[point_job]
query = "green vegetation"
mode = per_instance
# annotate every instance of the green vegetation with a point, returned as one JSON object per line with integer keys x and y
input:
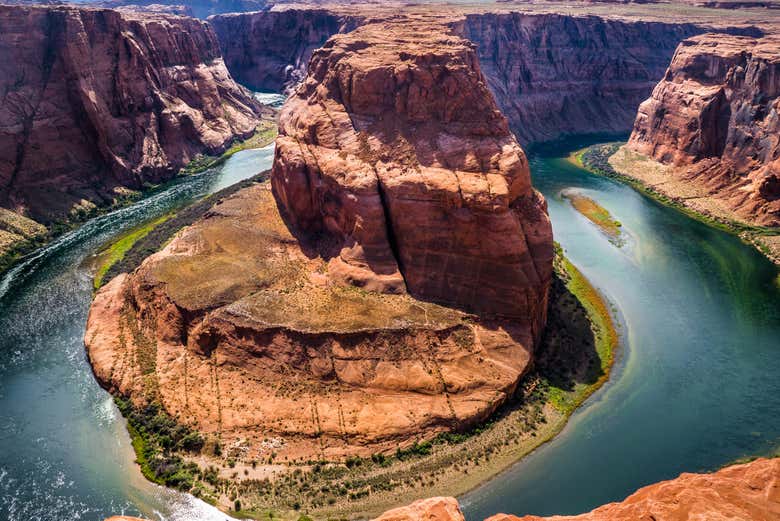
{"x": 158, "y": 439}
{"x": 596, "y": 214}
{"x": 117, "y": 250}
{"x": 595, "y": 159}
{"x": 264, "y": 135}
{"x": 570, "y": 381}
{"x": 14, "y": 251}
{"x": 151, "y": 237}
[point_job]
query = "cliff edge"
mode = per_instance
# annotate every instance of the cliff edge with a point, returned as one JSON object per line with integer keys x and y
{"x": 389, "y": 283}
{"x": 97, "y": 102}
{"x": 713, "y": 121}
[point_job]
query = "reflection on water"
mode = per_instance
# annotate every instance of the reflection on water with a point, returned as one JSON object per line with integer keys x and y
{"x": 65, "y": 452}
{"x": 697, "y": 385}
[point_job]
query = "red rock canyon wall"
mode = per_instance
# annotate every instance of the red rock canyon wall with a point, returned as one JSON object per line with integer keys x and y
{"x": 95, "y": 100}
{"x": 714, "y": 115}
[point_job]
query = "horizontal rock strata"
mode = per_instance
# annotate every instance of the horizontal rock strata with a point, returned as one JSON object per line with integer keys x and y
{"x": 97, "y": 101}
{"x": 550, "y": 74}
{"x": 715, "y": 118}
{"x": 392, "y": 286}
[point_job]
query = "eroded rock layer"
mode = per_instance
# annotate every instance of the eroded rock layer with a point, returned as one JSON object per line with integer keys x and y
{"x": 96, "y": 100}
{"x": 749, "y": 492}
{"x": 395, "y": 149}
{"x": 269, "y": 51}
{"x": 554, "y": 75}
{"x": 550, "y": 74}
{"x": 715, "y": 117}
{"x": 391, "y": 287}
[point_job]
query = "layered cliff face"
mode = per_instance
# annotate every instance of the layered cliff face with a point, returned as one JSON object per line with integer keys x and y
{"x": 270, "y": 51}
{"x": 715, "y": 118}
{"x": 551, "y": 74}
{"x": 302, "y": 322}
{"x": 403, "y": 159}
{"x": 749, "y": 492}
{"x": 97, "y": 101}
{"x": 555, "y": 74}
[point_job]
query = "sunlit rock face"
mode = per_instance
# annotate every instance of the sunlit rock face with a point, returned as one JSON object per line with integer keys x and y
{"x": 749, "y": 492}
{"x": 96, "y": 100}
{"x": 715, "y": 116}
{"x": 387, "y": 284}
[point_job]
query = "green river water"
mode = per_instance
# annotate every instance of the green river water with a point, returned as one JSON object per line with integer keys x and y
{"x": 696, "y": 384}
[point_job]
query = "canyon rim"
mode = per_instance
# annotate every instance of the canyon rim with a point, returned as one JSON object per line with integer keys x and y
{"x": 380, "y": 314}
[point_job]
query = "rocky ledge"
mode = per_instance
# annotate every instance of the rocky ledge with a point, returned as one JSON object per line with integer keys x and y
{"x": 714, "y": 121}
{"x": 97, "y": 102}
{"x": 392, "y": 284}
{"x": 749, "y": 492}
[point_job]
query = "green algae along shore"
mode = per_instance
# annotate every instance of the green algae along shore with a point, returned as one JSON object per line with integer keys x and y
{"x": 573, "y": 361}
{"x": 600, "y": 159}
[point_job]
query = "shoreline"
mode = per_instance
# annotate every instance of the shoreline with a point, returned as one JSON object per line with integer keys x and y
{"x": 600, "y": 166}
{"x": 451, "y": 463}
{"x": 21, "y": 250}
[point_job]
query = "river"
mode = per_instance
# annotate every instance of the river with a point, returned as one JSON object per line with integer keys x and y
{"x": 65, "y": 452}
{"x": 695, "y": 387}
{"x": 698, "y": 381}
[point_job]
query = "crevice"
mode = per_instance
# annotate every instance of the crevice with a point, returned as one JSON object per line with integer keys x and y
{"x": 392, "y": 240}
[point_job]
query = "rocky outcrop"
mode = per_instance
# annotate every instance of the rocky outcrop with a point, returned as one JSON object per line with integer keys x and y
{"x": 554, "y": 74}
{"x": 551, "y": 74}
{"x": 431, "y": 509}
{"x": 269, "y": 51}
{"x": 715, "y": 118}
{"x": 392, "y": 286}
{"x": 96, "y": 101}
{"x": 749, "y": 492}
{"x": 401, "y": 157}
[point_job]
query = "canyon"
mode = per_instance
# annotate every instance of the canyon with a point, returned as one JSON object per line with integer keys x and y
{"x": 745, "y": 492}
{"x": 390, "y": 282}
{"x": 99, "y": 104}
{"x": 387, "y": 282}
{"x": 551, "y": 75}
{"x": 714, "y": 121}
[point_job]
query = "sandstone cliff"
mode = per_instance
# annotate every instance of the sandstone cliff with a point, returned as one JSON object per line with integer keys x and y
{"x": 715, "y": 119}
{"x": 749, "y": 492}
{"x": 269, "y": 51}
{"x": 96, "y": 101}
{"x": 551, "y": 74}
{"x": 392, "y": 287}
{"x": 402, "y": 158}
{"x": 555, "y": 74}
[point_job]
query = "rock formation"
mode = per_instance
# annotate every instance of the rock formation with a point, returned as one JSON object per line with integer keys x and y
{"x": 555, "y": 74}
{"x": 392, "y": 287}
{"x": 715, "y": 118}
{"x": 748, "y": 492}
{"x": 402, "y": 157}
{"x": 551, "y": 74}
{"x": 96, "y": 101}
{"x": 269, "y": 51}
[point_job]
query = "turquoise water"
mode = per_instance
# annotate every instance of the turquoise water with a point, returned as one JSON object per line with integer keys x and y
{"x": 65, "y": 452}
{"x": 698, "y": 381}
{"x": 696, "y": 386}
